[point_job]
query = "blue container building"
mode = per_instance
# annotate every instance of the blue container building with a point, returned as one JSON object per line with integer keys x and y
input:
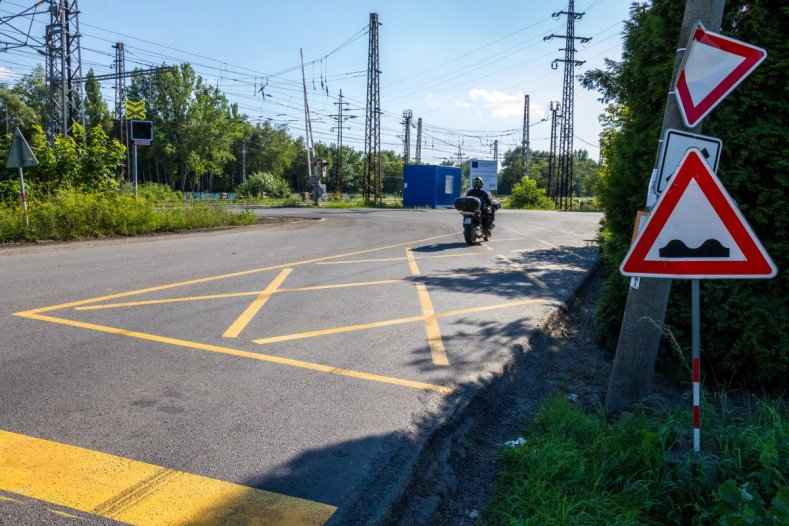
{"x": 429, "y": 185}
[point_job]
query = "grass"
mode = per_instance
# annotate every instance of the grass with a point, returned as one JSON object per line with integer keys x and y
{"x": 73, "y": 214}
{"x": 577, "y": 468}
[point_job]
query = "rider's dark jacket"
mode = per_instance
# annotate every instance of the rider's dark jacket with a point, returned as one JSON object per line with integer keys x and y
{"x": 483, "y": 195}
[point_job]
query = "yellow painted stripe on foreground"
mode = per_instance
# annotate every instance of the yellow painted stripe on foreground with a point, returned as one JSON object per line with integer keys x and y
{"x": 437, "y": 350}
{"x": 139, "y": 493}
{"x": 243, "y": 320}
{"x": 242, "y": 354}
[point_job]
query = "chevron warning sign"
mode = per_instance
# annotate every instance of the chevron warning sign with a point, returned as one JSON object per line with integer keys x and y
{"x": 135, "y": 109}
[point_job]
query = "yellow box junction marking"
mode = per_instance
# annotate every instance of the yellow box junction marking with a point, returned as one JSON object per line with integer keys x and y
{"x": 249, "y": 313}
{"x": 135, "y": 492}
{"x": 86, "y": 304}
{"x": 437, "y": 350}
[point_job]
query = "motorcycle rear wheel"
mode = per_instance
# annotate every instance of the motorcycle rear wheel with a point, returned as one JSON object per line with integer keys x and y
{"x": 469, "y": 235}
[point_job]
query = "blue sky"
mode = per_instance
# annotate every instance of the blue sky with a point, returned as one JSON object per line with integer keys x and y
{"x": 463, "y": 66}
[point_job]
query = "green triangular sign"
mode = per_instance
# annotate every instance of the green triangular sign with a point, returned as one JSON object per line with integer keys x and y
{"x": 20, "y": 154}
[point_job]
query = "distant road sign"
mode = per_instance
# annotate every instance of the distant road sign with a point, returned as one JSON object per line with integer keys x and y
{"x": 135, "y": 109}
{"x": 141, "y": 131}
{"x": 20, "y": 155}
{"x": 712, "y": 67}
{"x": 696, "y": 231}
{"x": 675, "y": 144}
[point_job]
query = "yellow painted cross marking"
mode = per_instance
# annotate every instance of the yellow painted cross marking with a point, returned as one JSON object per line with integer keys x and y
{"x": 433, "y": 333}
{"x": 135, "y": 492}
{"x": 523, "y": 271}
{"x": 412, "y": 262}
{"x": 246, "y": 316}
{"x": 242, "y": 354}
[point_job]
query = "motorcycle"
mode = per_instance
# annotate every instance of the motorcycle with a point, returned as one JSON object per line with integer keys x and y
{"x": 476, "y": 220}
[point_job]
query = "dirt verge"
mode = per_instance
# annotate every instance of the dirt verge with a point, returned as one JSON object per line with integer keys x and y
{"x": 456, "y": 474}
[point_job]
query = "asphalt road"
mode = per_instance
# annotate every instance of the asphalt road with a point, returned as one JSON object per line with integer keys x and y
{"x": 278, "y": 374}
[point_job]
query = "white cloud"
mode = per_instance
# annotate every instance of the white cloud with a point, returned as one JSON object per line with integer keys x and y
{"x": 5, "y": 74}
{"x": 497, "y": 104}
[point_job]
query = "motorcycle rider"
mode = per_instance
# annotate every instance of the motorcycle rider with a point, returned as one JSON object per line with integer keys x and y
{"x": 488, "y": 204}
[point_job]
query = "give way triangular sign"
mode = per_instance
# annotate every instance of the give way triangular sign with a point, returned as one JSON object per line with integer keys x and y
{"x": 712, "y": 67}
{"x": 696, "y": 231}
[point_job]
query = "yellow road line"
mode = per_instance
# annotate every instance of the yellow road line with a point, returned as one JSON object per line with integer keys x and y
{"x": 488, "y": 247}
{"x": 168, "y": 300}
{"x": 222, "y": 276}
{"x": 64, "y": 514}
{"x": 412, "y": 262}
{"x": 337, "y": 330}
{"x": 3, "y": 497}
{"x": 243, "y": 320}
{"x": 242, "y": 354}
{"x": 563, "y": 249}
{"x": 136, "y": 492}
{"x": 472, "y": 310}
{"x": 523, "y": 271}
{"x": 234, "y": 295}
{"x": 377, "y": 260}
{"x": 437, "y": 350}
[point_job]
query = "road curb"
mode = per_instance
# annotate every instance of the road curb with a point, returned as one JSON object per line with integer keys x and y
{"x": 384, "y": 502}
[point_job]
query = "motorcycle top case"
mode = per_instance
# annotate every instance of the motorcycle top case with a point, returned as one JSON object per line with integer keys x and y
{"x": 468, "y": 204}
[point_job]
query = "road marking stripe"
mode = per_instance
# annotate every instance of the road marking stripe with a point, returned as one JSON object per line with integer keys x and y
{"x": 234, "y": 295}
{"x": 437, "y": 350}
{"x": 523, "y": 271}
{"x": 242, "y": 354}
{"x": 376, "y": 260}
{"x": 472, "y": 310}
{"x": 10, "y": 499}
{"x": 412, "y": 262}
{"x": 337, "y": 330}
{"x": 136, "y": 492}
{"x": 243, "y": 320}
{"x": 222, "y": 276}
{"x": 64, "y": 514}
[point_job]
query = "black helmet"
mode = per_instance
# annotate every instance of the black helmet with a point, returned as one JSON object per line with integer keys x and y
{"x": 477, "y": 182}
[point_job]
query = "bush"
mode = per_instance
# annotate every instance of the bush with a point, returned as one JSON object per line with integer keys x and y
{"x": 263, "y": 184}
{"x": 74, "y": 214}
{"x": 526, "y": 194}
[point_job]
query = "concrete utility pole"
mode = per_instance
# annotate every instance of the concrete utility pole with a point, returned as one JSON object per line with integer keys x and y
{"x": 553, "y": 180}
{"x": 407, "y": 116}
{"x": 496, "y": 150}
{"x": 525, "y": 141}
{"x": 639, "y": 337}
{"x": 418, "y": 155}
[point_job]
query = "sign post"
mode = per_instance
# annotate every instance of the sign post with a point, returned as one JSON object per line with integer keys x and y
{"x": 142, "y": 135}
{"x": 696, "y": 231}
{"x": 20, "y": 155}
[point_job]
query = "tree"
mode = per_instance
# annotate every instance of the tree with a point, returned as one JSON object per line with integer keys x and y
{"x": 96, "y": 111}
{"x": 745, "y": 335}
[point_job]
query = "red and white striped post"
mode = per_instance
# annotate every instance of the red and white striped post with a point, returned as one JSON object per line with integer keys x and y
{"x": 696, "y": 359}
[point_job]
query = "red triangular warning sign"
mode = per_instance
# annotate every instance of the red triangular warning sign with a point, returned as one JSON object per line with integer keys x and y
{"x": 696, "y": 231}
{"x": 712, "y": 67}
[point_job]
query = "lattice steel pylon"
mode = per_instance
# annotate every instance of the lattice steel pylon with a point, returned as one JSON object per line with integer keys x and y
{"x": 418, "y": 154}
{"x": 372, "y": 131}
{"x": 407, "y": 116}
{"x": 565, "y": 176}
{"x": 64, "y": 68}
{"x": 120, "y": 101}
